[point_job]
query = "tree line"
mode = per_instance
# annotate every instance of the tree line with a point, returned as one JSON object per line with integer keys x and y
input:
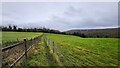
{"x": 93, "y": 34}
{"x": 45, "y": 30}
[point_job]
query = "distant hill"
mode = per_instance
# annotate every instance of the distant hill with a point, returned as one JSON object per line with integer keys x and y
{"x": 108, "y": 32}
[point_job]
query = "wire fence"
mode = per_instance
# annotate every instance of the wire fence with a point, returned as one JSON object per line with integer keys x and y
{"x": 54, "y": 50}
{"x": 16, "y": 55}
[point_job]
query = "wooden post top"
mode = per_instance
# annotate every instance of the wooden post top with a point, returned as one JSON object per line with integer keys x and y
{"x": 25, "y": 39}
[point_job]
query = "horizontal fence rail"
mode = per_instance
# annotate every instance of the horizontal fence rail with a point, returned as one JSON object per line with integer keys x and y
{"x": 11, "y": 55}
{"x": 11, "y": 46}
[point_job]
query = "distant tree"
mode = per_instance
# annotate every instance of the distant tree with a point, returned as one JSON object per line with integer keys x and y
{"x": 106, "y": 36}
{"x": 98, "y": 36}
{"x": 14, "y": 27}
{"x": 83, "y": 35}
{"x": 20, "y": 29}
{"x": 10, "y": 27}
{"x": 76, "y": 34}
{"x": 5, "y": 28}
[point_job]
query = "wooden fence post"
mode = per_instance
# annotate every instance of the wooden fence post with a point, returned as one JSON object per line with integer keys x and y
{"x": 25, "y": 49}
{"x": 53, "y": 48}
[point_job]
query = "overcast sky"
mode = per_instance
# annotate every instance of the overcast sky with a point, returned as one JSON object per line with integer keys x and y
{"x": 62, "y": 16}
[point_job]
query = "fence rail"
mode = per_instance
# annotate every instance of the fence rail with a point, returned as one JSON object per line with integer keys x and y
{"x": 14, "y": 53}
{"x": 11, "y": 46}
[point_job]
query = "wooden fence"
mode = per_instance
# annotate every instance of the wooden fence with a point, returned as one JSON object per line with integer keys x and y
{"x": 15, "y": 55}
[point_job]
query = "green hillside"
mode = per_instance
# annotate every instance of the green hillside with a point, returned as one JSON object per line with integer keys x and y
{"x": 76, "y": 51}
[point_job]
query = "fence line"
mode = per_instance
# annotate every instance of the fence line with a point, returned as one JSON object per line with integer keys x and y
{"x": 11, "y": 46}
{"x": 51, "y": 45}
{"x": 14, "y": 53}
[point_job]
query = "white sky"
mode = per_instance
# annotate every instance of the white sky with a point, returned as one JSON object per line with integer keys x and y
{"x": 62, "y": 16}
{"x": 59, "y": 0}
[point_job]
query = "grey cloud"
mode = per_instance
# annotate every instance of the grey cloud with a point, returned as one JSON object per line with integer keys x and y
{"x": 72, "y": 11}
{"x": 62, "y": 16}
{"x": 87, "y": 18}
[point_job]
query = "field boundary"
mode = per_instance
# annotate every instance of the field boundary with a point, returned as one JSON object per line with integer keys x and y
{"x": 52, "y": 50}
{"x": 11, "y": 46}
{"x": 19, "y": 50}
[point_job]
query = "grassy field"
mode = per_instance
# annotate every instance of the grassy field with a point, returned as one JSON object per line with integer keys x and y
{"x": 71, "y": 50}
{"x": 12, "y": 37}
{"x": 76, "y": 51}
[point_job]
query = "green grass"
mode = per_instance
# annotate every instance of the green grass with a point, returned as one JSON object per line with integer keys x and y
{"x": 72, "y": 50}
{"x": 78, "y": 51}
{"x": 38, "y": 56}
{"x": 8, "y": 37}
